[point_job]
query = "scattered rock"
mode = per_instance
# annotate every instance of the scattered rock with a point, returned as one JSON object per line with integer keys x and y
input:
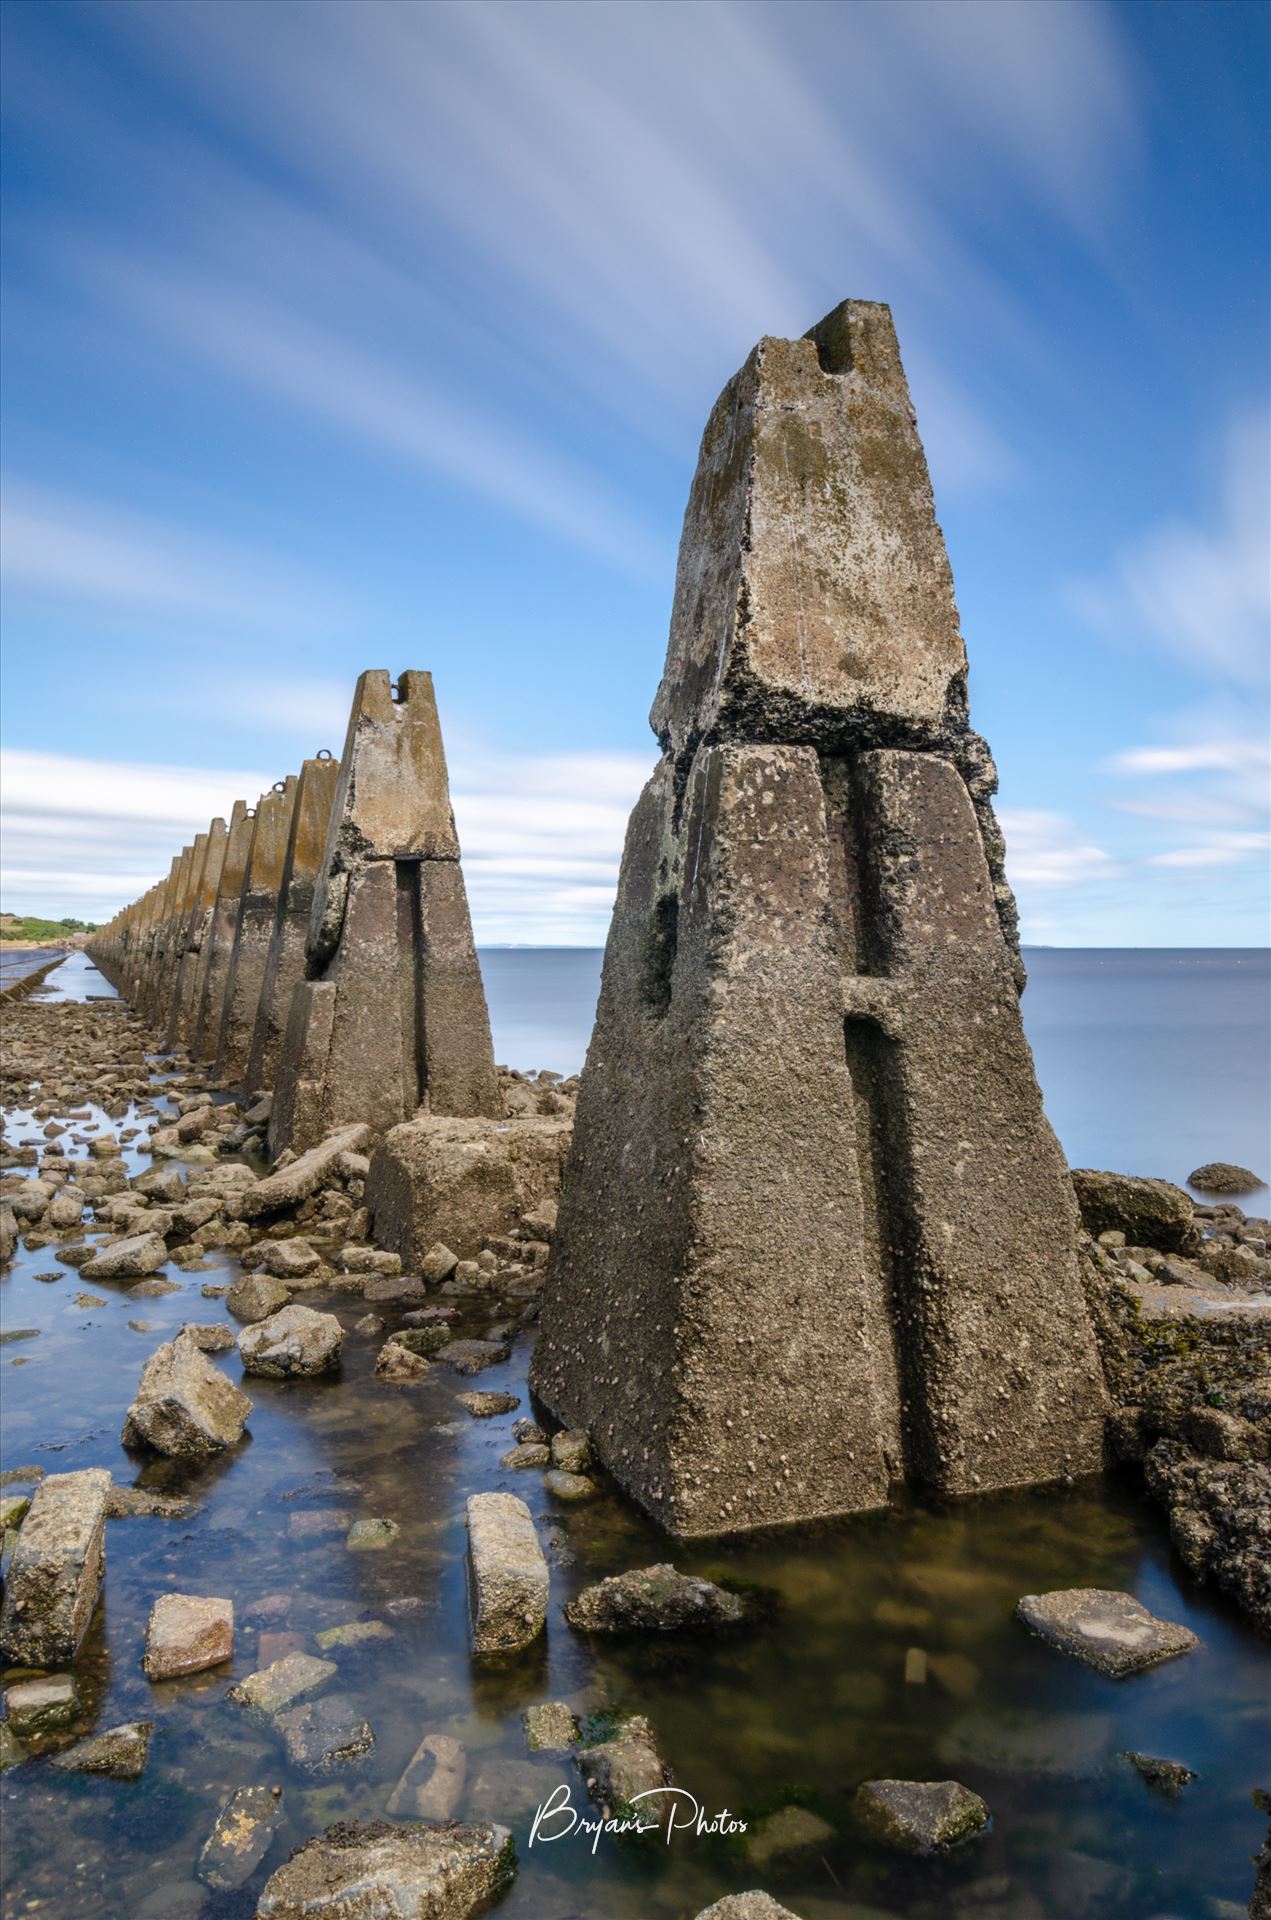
{"x": 438, "y": 1264}
{"x": 1220, "y": 1176}
{"x": 570, "y": 1486}
{"x": 352, "y": 1633}
{"x": 1151, "y": 1213}
{"x": 1166, "y": 1776}
{"x": 291, "y": 1259}
{"x": 325, "y": 1734}
{"x": 526, "y": 1456}
{"x": 370, "y": 1260}
{"x": 655, "y": 1600}
{"x": 12, "y": 1751}
{"x": 187, "y": 1634}
{"x": 153, "y": 1289}
{"x": 787, "y": 1834}
{"x": 269, "y": 1690}
{"x": 550, "y": 1728}
{"x": 185, "y": 1407}
{"x": 748, "y": 1906}
{"x": 370, "y": 1536}
{"x": 212, "y": 1337}
{"x": 256, "y": 1296}
{"x": 1220, "y": 1522}
{"x": 624, "y": 1773}
{"x": 304, "y": 1175}
{"x": 242, "y": 1836}
{"x": 128, "y": 1503}
{"x": 41, "y": 1704}
{"x": 473, "y": 1356}
{"x": 571, "y": 1450}
{"x": 484, "y": 1406}
{"x": 56, "y": 1569}
{"x": 294, "y": 1343}
{"x": 432, "y": 1785}
{"x": 373, "y": 1869}
{"x": 1107, "y": 1630}
{"x": 509, "y": 1574}
{"x": 119, "y": 1753}
{"x": 396, "y": 1362}
{"x": 918, "y": 1816}
{"x": 131, "y": 1259}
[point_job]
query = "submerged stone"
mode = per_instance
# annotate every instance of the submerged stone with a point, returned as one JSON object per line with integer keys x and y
{"x": 371, "y": 1536}
{"x": 550, "y": 1728}
{"x": 655, "y": 1600}
{"x": 55, "y": 1572}
{"x": 325, "y": 1734}
{"x": 41, "y": 1704}
{"x": 918, "y": 1816}
{"x": 1112, "y": 1632}
{"x": 624, "y": 1773}
{"x": 120, "y": 1753}
{"x": 1165, "y": 1776}
{"x": 788, "y": 1834}
{"x": 384, "y": 1872}
{"x": 242, "y": 1836}
{"x": 432, "y": 1785}
{"x": 280, "y": 1685}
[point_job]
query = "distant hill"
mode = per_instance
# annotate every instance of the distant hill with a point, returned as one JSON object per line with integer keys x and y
{"x": 25, "y": 928}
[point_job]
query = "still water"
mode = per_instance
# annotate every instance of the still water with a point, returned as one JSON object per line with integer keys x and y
{"x": 796, "y": 1711}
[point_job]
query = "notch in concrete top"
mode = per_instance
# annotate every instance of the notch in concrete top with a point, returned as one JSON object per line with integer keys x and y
{"x": 814, "y": 599}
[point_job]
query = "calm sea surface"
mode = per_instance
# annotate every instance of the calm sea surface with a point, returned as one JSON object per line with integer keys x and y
{"x": 1150, "y": 1061}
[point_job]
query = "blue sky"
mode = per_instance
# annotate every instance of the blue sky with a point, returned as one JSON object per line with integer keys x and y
{"x": 383, "y": 335}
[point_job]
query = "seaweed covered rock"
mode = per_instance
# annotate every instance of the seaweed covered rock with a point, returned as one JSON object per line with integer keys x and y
{"x": 655, "y": 1600}
{"x": 415, "y": 1871}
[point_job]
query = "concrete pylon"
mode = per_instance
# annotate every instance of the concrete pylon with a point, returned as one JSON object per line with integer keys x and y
{"x": 285, "y": 963}
{"x": 158, "y": 974}
{"x": 187, "y": 894}
{"x": 203, "y": 899}
{"x": 816, "y": 1237}
{"x": 392, "y": 1014}
{"x": 218, "y": 946}
{"x": 257, "y": 907}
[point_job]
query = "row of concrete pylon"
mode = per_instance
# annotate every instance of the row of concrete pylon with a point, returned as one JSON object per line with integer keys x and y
{"x": 287, "y": 949}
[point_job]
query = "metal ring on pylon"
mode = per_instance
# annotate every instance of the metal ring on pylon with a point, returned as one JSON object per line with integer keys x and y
{"x": 395, "y": 688}
{"x": 249, "y": 813}
{"x": 325, "y": 753}
{"x": 280, "y": 786}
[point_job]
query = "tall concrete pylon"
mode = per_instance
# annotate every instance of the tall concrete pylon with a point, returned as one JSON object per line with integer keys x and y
{"x": 154, "y": 986}
{"x": 816, "y": 1237}
{"x": 218, "y": 947}
{"x": 257, "y": 908}
{"x": 203, "y": 899}
{"x": 285, "y": 963}
{"x": 391, "y": 1016}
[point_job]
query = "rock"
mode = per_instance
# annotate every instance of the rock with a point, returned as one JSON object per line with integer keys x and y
{"x": 187, "y": 1634}
{"x": 484, "y": 1406}
{"x": 509, "y": 1577}
{"x": 474, "y": 1356}
{"x": 526, "y": 1456}
{"x": 325, "y": 1734}
{"x": 458, "y": 1181}
{"x": 370, "y": 1260}
{"x": 294, "y": 1343}
{"x": 55, "y": 1572}
{"x": 270, "y": 1689}
{"x": 369, "y": 1325}
{"x": 913, "y": 1816}
{"x": 749, "y": 1906}
{"x": 352, "y": 1633}
{"x": 291, "y": 1259}
{"x": 41, "y": 1704}
{"x": 193, "y": 1214}
{"x": 1106, "y": 1630}
{"x": 12, "y": 1751}
{"x": 427, "y": 1339}
{"x": 432, "y": 1785}
{"x": 1151, "y": 1213}
{"x": 212, "y": 1337}
{"x": 571, "y": 1450}
{"x": 787, "y": 1834}
{"x": 397, "y": 1363}
{"x": 1220, "y": 1522}
{"x": 120, "y": 1753}
{"x": 550, "y": 1728}
{"x": 384, "y": 1872}
{"x": 127, "y": 1503}
{"x": 1166, "y": 1776}
{"x": 371, "y": 1536}
{"x": 65, "y": 1209}
{"x": 89, "y": 1300}
{"x": 153, "y": 1289}
{"x": 256, "y": 1296}
{"x": 309, "y": 1171}
{"x": 570, "y": 1486}
{"x": 242, "y": 1836}
{"x": 1219, "y": 1176}
{"x": 655, "y": 1600}
{"x": 29, "y": 1202}
{"x": 622, "y": 1771}
{"x": 438, "y": 1263}
{"x": 185, "y": 1407}
{"x": 131, "y": 1259}
{"x": 528, "y": 1433}
{"x": 13, "y": 1507}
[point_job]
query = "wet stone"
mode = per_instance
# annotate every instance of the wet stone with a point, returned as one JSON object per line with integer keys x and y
{"x": 156, "y": 1288}
{"x": 432, "y": 1784}
{"x": 918, "y": 1816}
{"x": 748, "y": 1906}
{"x": 474, "y": 1356}
{"x": 128, "y": 1503}
{"x": 485, "y": 1406}
{"x": 256, "y": 1296}
{"x": 571, "y": 1450}
{"x": 40, "y": 1704}
{"x": 120, "y": 1753}
{"x": 187, "y": 1634}
{"x": 655, "y": 1600}
{"x": 550, "y": 1728}
{"x": 55, "y": 1572}
{"x": 353, "y": 1633}
{"x": 12, "y": 1751}
{"x": 185, "y": 1407}
{"x": 241, "y": 1837}
{"x": 788, "y": 1834}
{"x": 1109, "y": 1631}
{"x": 325, "y": 1734}
{"x": 130, "y": 1259}
{"x": 371, "y": 1536}
{"x": 282, "y": 1684}
{"x": 400, "y": 1364}
{"x": 295, "y": 1343}
{"x": 1164, "y": 1776}
{"x": 570, "y": 1486}
{"x": 619, "y": 1771}
{"x": 214, "y": 1337}
{"x": 526, "y": 1456}
{"x": 418, "y": 1872}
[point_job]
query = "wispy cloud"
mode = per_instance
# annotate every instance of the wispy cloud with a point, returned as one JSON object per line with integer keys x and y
{"x": 1047, "y": 850}
{"x": 65, "y": 549}
{"x": 1201, "y": 591}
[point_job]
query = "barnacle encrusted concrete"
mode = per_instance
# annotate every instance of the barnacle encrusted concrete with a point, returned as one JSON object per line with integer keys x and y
{"x": 816, "y": 1237}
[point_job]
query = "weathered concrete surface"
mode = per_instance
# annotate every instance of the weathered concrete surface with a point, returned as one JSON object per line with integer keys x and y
{"x": 461, "y": 1181}
{"x": 303, "y": 1176}
{"x": 508, "y": 1574}
{"x": 1112, "y": 1632}
{"x": 392, "y": 1014}
{"x": 257, "y": 911}
{"x": 373, "y": 1870}
{"x": 285, "y": 962}
{"x": 184, "y": 1406}
{"x": 816, "y": 1236}
{"x": 185, "y": 991}
{"x": 218, "y": 945}
{"x": 150, "y": 997}
{"x": 56, "y": 1570}
{"x": 187, "y": 1633}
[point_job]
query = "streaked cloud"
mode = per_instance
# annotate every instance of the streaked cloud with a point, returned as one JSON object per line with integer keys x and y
{"x": 1047, "y": 850}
